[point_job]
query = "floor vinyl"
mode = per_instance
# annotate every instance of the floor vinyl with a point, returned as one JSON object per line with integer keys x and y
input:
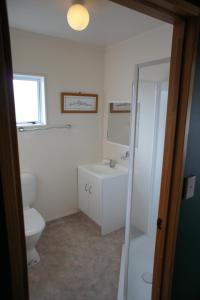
{"x": 76, "y": 262}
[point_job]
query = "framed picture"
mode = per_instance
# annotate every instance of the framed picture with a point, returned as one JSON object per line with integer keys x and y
{"x": 121, "y": 107}
{"x": 79, "y": 103}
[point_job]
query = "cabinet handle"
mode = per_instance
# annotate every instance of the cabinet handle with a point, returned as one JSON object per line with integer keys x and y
{"x": 86, "y": 187}
{"x": 90, "y": 189}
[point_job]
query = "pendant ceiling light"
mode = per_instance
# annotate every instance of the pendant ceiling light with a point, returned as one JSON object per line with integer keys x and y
{"x": 78, "y": 17}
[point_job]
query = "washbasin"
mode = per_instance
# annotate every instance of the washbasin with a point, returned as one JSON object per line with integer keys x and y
{"x": 102, "y": 170}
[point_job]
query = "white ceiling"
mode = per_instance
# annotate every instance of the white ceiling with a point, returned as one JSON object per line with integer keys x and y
{"x": 110, "y": 23}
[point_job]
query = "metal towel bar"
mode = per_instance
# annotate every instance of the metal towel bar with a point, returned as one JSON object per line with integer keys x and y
{"x": 22, "y": 129}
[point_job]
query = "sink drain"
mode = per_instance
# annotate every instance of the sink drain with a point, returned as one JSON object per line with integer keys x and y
{"x": 147, "y": 277}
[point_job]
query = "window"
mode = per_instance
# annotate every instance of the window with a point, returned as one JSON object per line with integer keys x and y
{"x": 29, "y": 97}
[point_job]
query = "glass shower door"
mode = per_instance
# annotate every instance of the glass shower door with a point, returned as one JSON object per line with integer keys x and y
{"x": 148, "y": 144}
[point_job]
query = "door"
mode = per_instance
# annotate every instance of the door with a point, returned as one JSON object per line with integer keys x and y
{"x": 89, "y": 195}
{"x": 83, "y": 188}
{"x": 147, "y": 161}
{"x": 94, "y": 199}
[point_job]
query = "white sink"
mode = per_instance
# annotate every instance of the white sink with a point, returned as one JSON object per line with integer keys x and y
{"x": 102, "y": 170}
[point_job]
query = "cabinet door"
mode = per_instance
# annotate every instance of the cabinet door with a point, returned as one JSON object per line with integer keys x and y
{"x": 83, "y": 188}
{"x": 94, "y": 200}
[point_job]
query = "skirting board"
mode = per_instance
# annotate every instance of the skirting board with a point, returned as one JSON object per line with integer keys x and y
{"x": 68, "y": 213}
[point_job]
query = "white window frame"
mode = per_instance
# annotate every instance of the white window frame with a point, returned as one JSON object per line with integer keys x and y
{"x": 42, "y": 119}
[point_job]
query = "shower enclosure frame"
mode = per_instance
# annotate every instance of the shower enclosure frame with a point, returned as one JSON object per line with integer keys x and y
{"x": 133, "y": 142}
{"x": 185, "y": 18}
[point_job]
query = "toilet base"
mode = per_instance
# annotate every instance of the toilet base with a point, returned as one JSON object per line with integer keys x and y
{"x": 32, "y": 257}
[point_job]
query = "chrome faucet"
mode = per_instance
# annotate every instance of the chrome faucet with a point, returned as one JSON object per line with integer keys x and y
{"x": 112, "y": 163}
{"x": 125, "y": 156}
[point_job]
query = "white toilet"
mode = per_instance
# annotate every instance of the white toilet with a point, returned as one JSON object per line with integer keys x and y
{"x": 33, "y": 221}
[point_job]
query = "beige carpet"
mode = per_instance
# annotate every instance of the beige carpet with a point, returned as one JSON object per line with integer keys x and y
{"x": 77, "y": 263}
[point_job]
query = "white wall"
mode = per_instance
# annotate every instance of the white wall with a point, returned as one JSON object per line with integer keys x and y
{"x": 120, "y": 60}
{"x": 55, "y": 154}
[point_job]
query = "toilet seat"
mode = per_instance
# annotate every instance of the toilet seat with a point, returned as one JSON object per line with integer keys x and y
{"x": 33, "y": 221}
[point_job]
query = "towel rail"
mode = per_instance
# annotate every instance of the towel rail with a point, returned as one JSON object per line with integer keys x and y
{"x": 22, "y": 129}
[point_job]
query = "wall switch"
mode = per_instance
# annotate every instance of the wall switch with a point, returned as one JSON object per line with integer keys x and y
{"x": 189, "y": 187}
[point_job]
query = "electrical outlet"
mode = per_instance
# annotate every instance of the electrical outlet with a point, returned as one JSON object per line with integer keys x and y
{"x": 189, "y": 187}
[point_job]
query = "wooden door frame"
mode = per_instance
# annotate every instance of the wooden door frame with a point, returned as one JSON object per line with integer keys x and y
{"x": 184, "y": 17}
{"x": 179, "y": 155}
{"x": 10, "y": 187}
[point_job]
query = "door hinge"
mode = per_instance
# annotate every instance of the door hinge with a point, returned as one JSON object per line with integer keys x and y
{"x": 159, "y": 223}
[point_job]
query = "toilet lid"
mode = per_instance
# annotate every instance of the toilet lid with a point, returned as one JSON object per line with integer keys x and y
{"x": 33, "y": 221}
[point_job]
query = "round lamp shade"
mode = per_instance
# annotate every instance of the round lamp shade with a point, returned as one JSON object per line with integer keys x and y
{"x": 78, "y": 17}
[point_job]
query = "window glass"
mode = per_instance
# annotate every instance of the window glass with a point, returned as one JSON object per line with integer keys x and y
{"x": 29, "y": 99}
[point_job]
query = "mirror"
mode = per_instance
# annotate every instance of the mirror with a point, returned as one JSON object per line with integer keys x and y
{"x": 119, "y": 122}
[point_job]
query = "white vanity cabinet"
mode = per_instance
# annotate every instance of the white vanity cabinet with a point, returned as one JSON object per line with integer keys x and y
{"x": 102, "y": 195}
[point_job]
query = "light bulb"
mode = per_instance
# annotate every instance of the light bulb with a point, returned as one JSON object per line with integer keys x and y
{"x": 78, "y": 17}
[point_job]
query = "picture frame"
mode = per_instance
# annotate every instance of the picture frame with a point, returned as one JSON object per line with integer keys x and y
{"x": 120, "y": 107}
{"x": 79, "y": 103}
